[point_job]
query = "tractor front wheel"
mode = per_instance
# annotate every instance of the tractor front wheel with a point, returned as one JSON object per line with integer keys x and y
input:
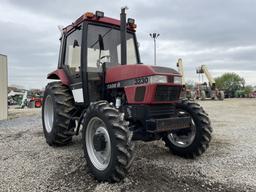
{"x": 107, "y": 142}
{"x": 193, "y": 141}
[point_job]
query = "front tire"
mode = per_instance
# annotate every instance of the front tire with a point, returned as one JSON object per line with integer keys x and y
{"x": 58, "y": 107}
{"x": 107, "y": 142}
{"x": 192, "y": 142}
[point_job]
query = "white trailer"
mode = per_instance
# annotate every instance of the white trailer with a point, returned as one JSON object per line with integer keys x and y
{"x": 3, "y": 87}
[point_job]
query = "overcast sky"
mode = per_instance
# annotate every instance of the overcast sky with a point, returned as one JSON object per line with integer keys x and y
{"x": 218, "y": 33}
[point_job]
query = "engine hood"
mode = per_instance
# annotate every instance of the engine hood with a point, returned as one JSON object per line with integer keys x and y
{"x": 124, "y": 72}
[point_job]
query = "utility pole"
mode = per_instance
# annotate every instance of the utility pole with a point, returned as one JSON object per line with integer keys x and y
{"x": 154, "y": 36}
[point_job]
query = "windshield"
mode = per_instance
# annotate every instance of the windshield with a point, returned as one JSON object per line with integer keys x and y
{"x": 103, "y": 44}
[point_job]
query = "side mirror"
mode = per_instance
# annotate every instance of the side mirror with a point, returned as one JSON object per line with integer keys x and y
{"x": 75, "y": 44}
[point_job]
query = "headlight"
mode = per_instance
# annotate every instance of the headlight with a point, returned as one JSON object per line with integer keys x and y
{"x": 177, "y": 80}
{"x": 158, "y": 79}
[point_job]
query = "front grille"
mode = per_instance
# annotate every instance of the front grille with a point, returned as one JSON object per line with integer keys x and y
{"x": 167, "y": 93}
{"x": 145, "y": 112}
{"x": 160, "y": 110}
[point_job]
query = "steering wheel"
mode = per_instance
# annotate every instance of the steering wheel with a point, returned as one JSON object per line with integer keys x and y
{"x": 99, "y": 63}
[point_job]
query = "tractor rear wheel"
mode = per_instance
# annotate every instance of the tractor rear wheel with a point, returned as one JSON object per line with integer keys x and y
{"x": 190, "y": 142}
{"x": 58, "y": 106}
{"x": 107, "y": 142}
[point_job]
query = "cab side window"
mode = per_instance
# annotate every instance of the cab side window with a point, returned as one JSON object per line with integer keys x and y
{"x": 73, "y": 51}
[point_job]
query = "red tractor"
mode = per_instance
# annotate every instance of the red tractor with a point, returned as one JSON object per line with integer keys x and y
{"x": 103, "y": 87}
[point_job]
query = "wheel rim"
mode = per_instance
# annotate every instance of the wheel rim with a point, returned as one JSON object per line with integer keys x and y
{"x": 183, "y": 138}
{"x": 48, "y": 114}
{"x": 100, "y": 159}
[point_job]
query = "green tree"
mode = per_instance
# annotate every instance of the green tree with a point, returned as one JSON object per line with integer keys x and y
{"x": 248, "y": 90}
{"x": 230, "y": 83}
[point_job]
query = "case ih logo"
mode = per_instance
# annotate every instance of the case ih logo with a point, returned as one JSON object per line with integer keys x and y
{"x": 113, "y": 85}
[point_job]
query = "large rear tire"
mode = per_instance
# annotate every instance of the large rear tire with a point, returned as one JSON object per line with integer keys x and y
{"x": 107, "y": 142}
{"x": 58, "y": 106}
{"x": 192, "y": 142}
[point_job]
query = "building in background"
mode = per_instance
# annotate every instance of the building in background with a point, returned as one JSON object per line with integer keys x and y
{"x": 3, "y": 87}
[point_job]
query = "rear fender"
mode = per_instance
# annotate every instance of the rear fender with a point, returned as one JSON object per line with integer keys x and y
{"x": 59, "y": 74}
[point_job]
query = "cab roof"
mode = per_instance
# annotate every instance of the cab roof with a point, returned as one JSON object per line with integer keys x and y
{"x": 88, "y": 16}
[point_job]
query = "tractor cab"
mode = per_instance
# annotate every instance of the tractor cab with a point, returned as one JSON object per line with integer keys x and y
{"x": 90, "y": 46}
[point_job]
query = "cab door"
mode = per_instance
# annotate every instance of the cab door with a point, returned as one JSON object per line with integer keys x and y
{"x": 97, "y": 55}
{"x": 72, "y": 62}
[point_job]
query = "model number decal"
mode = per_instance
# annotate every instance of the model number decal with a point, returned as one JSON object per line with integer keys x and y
{"x": 141, "y": 80}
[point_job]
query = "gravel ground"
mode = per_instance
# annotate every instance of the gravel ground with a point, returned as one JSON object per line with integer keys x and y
{"x": 27, "y": 163}
{"x": 14, "y": 112}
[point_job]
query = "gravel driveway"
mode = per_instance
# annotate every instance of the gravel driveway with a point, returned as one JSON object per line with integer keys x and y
{"x": 27, "y": 163}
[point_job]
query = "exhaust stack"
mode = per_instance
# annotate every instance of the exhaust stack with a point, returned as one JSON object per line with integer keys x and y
{"x": 123, "y": 36}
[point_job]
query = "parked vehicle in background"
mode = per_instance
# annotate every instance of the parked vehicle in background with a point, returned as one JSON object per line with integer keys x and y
{"x": 25, "y": 98}
{"x": 185, "y": 92}
{"x": 35, "y": 102}
{"x": 35, "y": 98}
{"x": 204, "y": 90}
